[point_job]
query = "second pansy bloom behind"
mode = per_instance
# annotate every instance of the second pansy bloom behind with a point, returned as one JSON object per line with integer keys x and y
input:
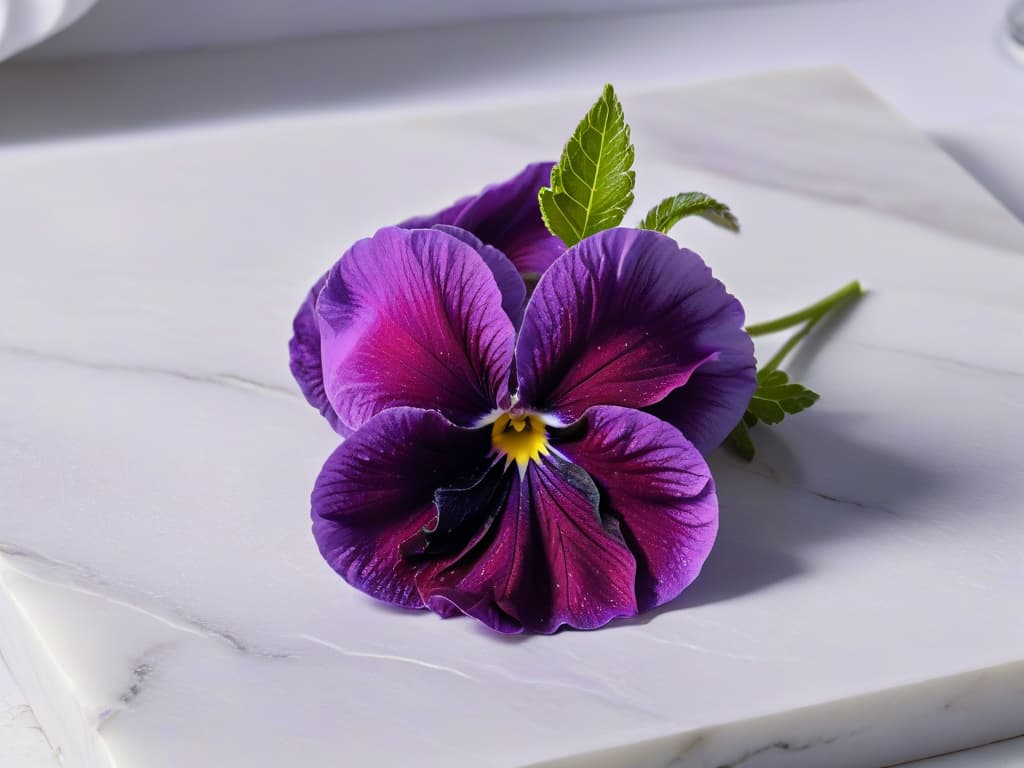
{"x": 535, "y": 467}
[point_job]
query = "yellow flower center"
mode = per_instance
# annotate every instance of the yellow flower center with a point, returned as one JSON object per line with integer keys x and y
{"x": 521, "y": 437}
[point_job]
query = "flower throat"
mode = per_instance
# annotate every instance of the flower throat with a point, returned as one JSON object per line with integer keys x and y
{"x": 521, "y": 437}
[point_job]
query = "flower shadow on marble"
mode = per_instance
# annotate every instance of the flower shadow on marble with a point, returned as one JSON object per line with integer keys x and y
{"x": 777, "y": 509}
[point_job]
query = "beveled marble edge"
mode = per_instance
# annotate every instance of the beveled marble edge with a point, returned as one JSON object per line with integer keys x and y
{"x": 978, "y": 707}
{"x": 22, "y": 740}
{"x": 46, "y": 685}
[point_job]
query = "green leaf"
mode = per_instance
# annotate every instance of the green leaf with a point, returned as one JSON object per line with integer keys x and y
{"x": 739, "y": 440}
{"x": 592, "y": 183}
{"x": 776, "y": 396}
{"x": 669, "y": 211}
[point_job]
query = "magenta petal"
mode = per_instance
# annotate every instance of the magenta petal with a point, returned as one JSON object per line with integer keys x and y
{"x": 507, "y": 216}
{"x": 548, "y": 560}
{"x": 592, "y": 570}
{"x": 376, "y": 491}
{"x": 657, "y": 484}
{"x": 413, "y": 318}
{"x": 510, "y": 283}
{"x": 626, "y": 317}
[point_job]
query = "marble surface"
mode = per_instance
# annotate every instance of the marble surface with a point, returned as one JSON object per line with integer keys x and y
{"x": 164, "y": 605}
{"x": 22, "y": 742}
{"x": 946, "y": 65}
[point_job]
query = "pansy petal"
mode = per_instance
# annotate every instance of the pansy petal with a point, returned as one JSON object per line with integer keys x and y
{"x": 657, "y": 484}
{"x": 304, "y": 350}
{"x": 548, "y": 559}
{"x": 624, "y": 318}
{"x": 462, "y": 582}
{"x": 413, "y": 318}
{"x": 711, "y": 404}
{"x": 507, "y": 216}
{"x": 593, "y": 570}
{"x": 376, "y": 491}
{"x": 510, "y": 283}
{"x": 464, "y": 514}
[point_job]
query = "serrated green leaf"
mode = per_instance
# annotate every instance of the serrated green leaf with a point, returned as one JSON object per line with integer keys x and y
{"x": 776, "y": 397}
{"x": 667, "y": 213}
{"x": 592, "y": 183}
{"x": 739, "y": 440}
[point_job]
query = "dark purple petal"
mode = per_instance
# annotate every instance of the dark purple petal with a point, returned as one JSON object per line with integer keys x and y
{"x": 624, "y": 318}
{"x": 507, "y": 216}
{"x": 463, "y": 514}
{"x": 708, "y": 407}
{"x": 510, "y": 283}
{"x": 656, "y": 483}
{"x": 548, "y": 559}
{"x": 304, "y": 349}
{"x": 413, "y": 318}
{"x": 376, "y": 491}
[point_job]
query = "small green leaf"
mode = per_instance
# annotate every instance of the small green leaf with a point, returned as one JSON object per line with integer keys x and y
{"x": 739, "y": 440}
{"x": 592, "y": 183}
{"x": 776, "y": 396}
{"x": 667, "y": 213}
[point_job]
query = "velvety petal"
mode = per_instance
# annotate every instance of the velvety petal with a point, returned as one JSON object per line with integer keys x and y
{"x": 462, "y": 581}
{"x": 624, "y": 318}
{"x": 655, "y": 482}
{"x": 376, "y": 491}
{"x": 413, "y": 318}
{"x": 304, "y": 350}
{"x": 464, "y": 513}
{"x": 510, "y": 283}
{"x": 507, "y": 216}
{"x": 548, "y": 559}
{"x": 713, "y": 401}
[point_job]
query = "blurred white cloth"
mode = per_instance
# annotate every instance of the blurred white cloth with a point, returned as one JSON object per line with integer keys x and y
{"x": 23, "y": 23}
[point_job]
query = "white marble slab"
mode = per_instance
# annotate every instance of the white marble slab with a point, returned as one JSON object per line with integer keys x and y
{"x": 164, "y": 604}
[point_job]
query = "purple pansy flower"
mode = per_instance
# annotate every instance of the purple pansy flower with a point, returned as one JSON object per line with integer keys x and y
{"x": 531, "y": 469}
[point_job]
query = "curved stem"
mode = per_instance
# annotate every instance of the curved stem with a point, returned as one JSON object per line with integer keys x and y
{"x": 791, "y": 342}
{"x": 812, "y": 313}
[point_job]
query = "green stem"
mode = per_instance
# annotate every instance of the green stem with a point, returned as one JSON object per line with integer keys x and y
{"x": 836, "y": 300}
{"x": 786, "y": 348}
{"x": 739, "y": 438}
{"x": 811, "y": 314}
